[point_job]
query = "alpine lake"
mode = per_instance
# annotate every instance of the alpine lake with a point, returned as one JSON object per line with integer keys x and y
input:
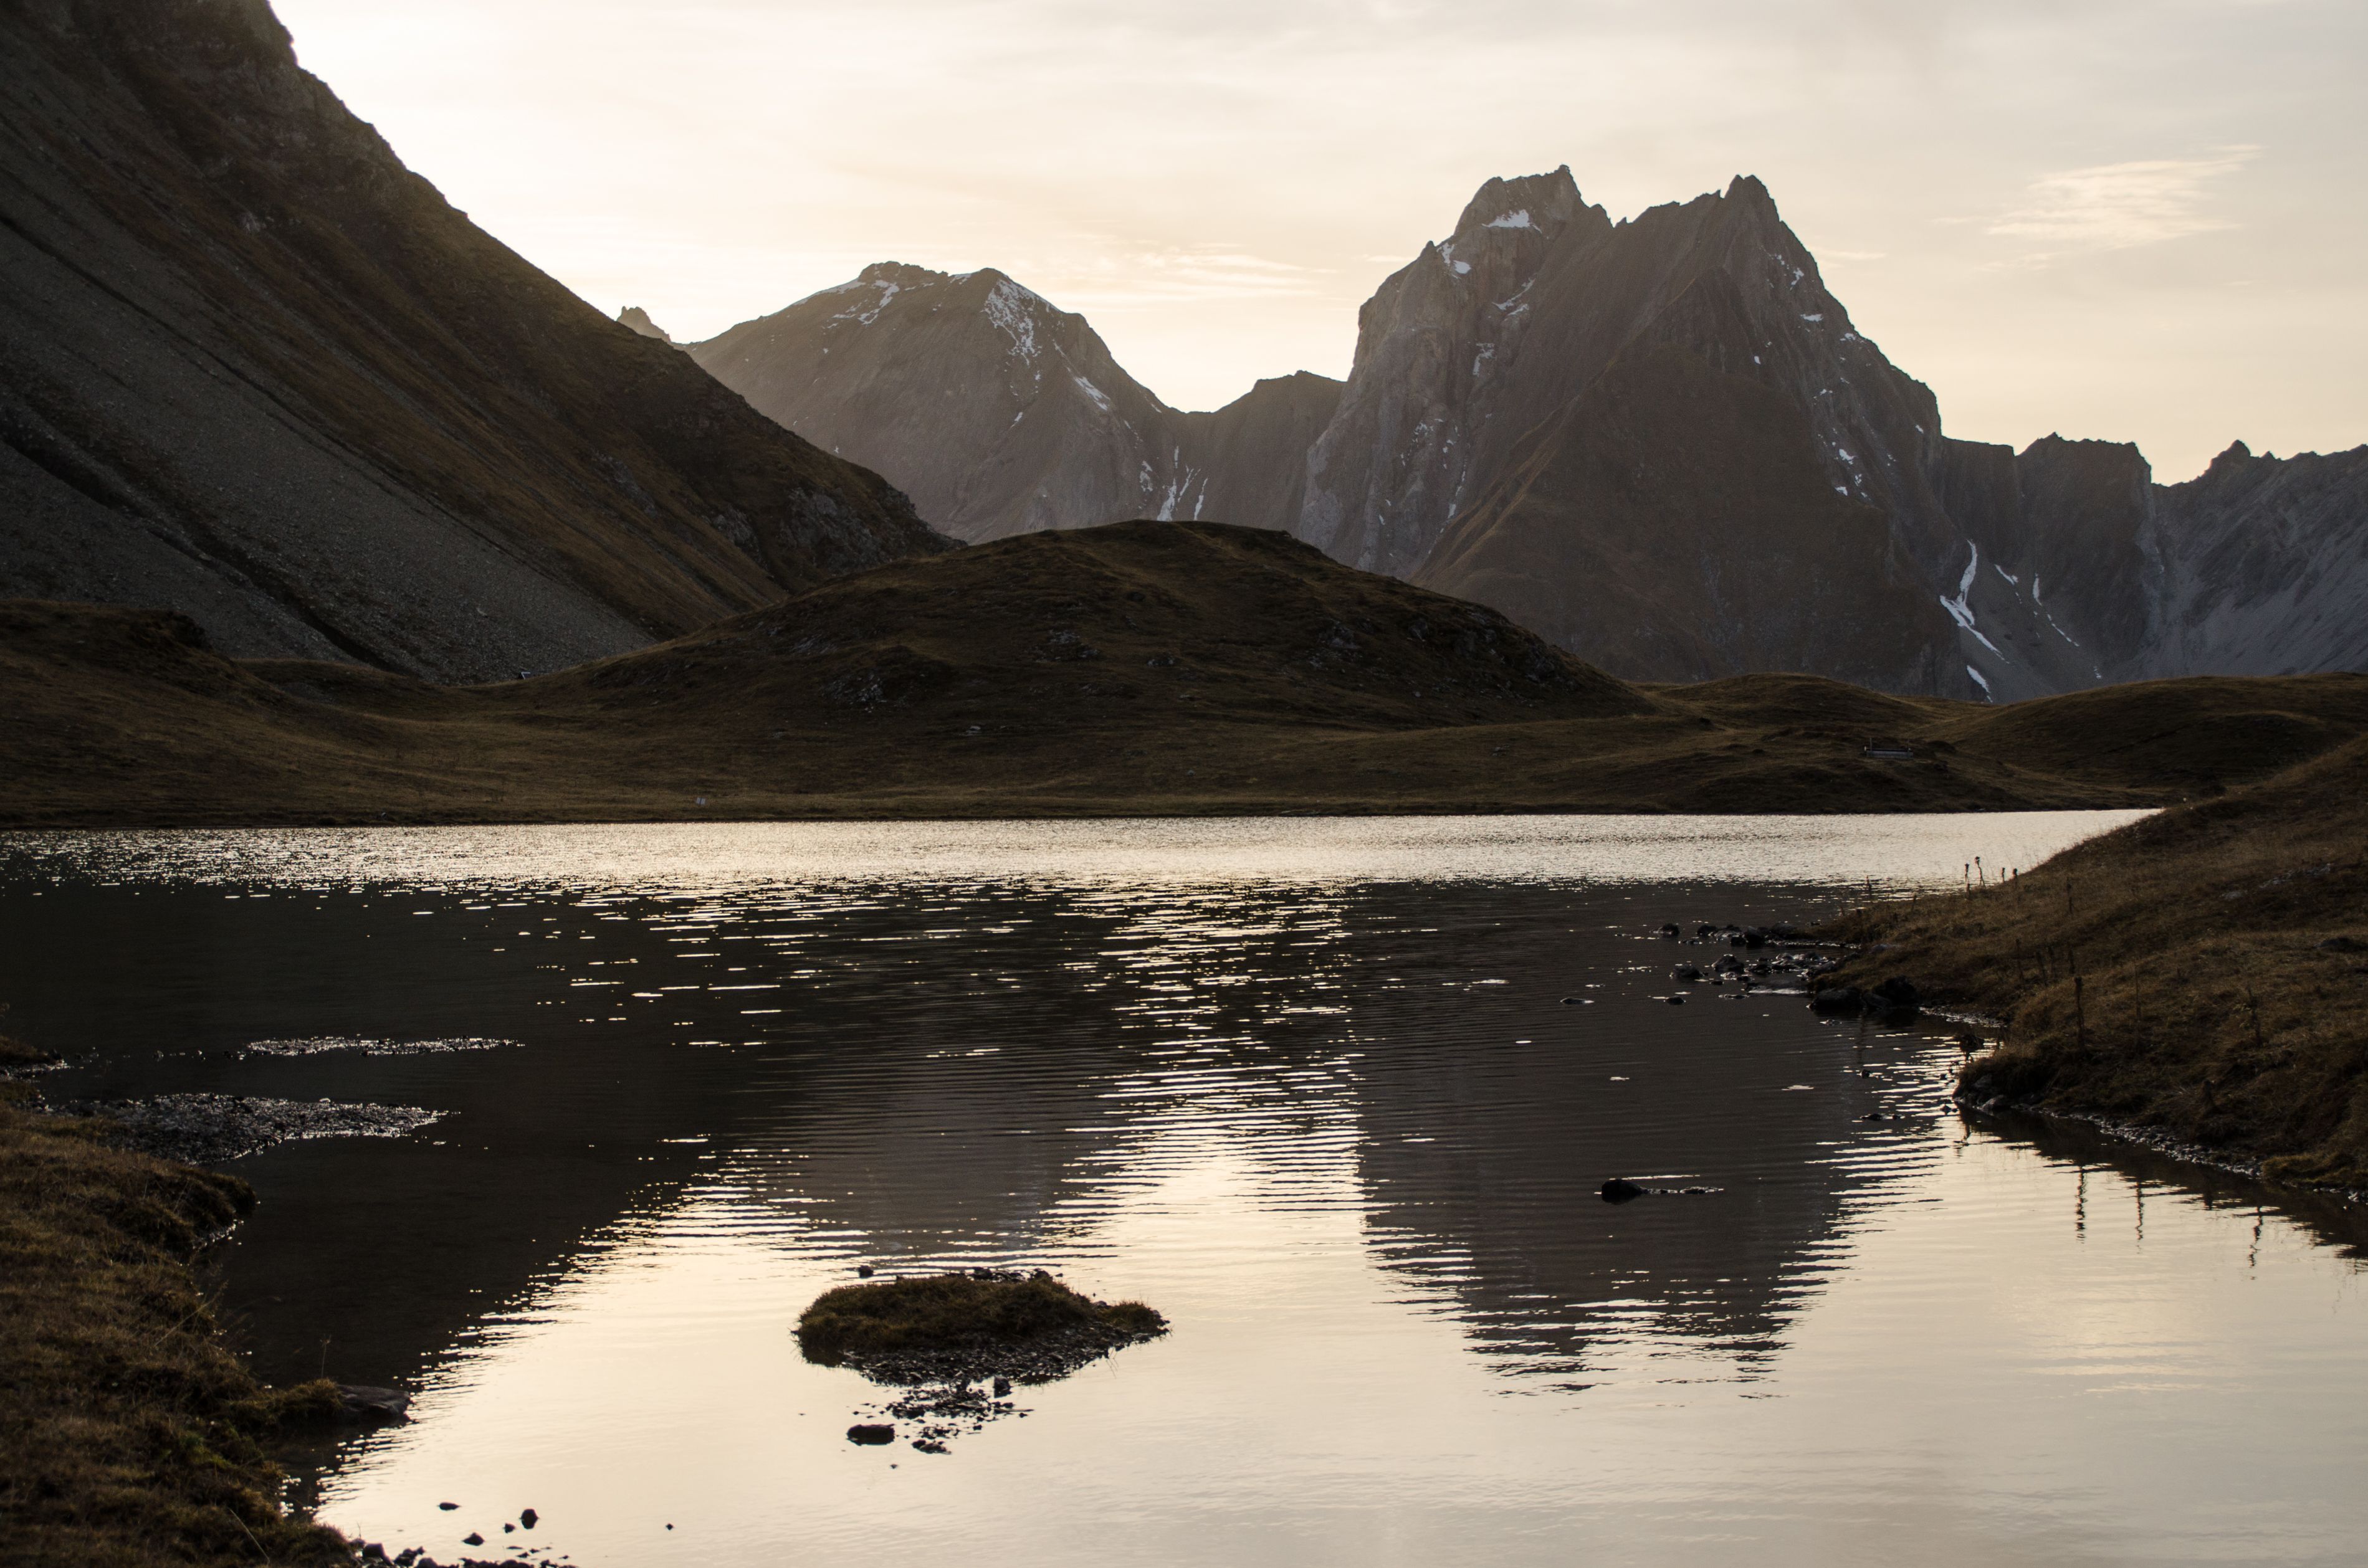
{"x": 1335, "y": 1095}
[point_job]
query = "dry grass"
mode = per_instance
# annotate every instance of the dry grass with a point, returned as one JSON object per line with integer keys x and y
{"x": 2204, "y": 972}
{"x": 127, "y": 1430}
{"x": 956, "y": 1311}
{"x": 1140, "y": 669}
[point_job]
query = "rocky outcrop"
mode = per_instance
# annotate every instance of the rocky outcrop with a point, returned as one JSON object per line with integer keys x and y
{"x": 638, "y": 319}
{"x": 254, "y": 371}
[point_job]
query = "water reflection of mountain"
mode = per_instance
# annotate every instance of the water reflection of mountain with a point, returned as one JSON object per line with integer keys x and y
{"x": 927, "y": 1073}
{"x": 1095, "y": 1052}
{"x": 1493, "y": 1119}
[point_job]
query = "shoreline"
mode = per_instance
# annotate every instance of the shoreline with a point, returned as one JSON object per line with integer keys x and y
{"x": 1021, "y": 812}
{"x": 2195, "y": 982}
{"x": 2152, "y": 1140}
{"x": 129, "y": 1431}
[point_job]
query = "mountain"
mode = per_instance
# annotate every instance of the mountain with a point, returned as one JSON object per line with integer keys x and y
{"x": 1661, "y": 443}
{"x": 1142, "y": 668}
{"x": 1001, "y": 413}
{"x": 255, "y": 371}
{"x": 1664, "y": 445}
{"x": 2263, "y": 566}
{"x": 638, "y": 319}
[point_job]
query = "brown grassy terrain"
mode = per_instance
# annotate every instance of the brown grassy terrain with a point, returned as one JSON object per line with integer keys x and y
{"x": 127, "y": 1430}
{"x": 2201, "y": 973}
{"x": 942, "y": 1312}
{"x": 1139, "y": 669}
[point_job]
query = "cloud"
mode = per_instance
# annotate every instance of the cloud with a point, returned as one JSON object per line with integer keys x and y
{"x": 2119, "y": 206}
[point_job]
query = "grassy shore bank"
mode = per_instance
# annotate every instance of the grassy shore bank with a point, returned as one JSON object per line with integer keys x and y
{"x": 1134, "y": 670}
{"x": 2201, "y": 974}
{"x": 129, "y": 1432}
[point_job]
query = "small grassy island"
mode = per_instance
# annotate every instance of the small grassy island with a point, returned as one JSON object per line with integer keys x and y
{"x": 2198, "y": 978}
{"x": 956, "y": 1327}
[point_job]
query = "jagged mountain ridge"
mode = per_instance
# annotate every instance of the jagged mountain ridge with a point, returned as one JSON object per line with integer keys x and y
{"x": 1517, "y": 428}
{"x": 1001, "y": 413}
{"x": 254, "y": 370}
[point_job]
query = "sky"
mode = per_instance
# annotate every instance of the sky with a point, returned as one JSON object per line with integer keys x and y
{"x": 2133, "y": 220}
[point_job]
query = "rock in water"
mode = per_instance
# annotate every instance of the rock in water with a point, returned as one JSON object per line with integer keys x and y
{"x": 1620, "y": 1189}
{"x": 871, "y": 1433}
{"x": 1896, "y": 998}
{"x": 961, "y": 1328}
{"x": 372, "y": 1406}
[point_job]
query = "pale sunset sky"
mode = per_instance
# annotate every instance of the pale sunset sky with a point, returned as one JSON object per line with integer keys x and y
{"x": 2140, "y": 220}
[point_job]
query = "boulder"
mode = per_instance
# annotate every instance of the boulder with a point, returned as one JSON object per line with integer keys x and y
{"x": 1620, "y": 1189}
{"x": 1896, "y": 998}
{"x": 372, "y": 1406}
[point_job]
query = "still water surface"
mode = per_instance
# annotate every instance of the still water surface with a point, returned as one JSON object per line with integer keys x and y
{"x": 1335, "y": 1096}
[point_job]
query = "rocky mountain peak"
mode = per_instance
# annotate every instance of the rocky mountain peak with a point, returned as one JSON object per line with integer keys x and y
{"x": 1747, "y": 192}
{"x": 1544, "y": 202}
{"x": 639, "y": 320}
{"x": 902, "y": 274}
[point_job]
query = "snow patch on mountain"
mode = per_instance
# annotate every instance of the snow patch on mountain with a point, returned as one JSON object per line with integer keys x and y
{"x": 1008, "y": 306}
{"x": 1962, "y": 611}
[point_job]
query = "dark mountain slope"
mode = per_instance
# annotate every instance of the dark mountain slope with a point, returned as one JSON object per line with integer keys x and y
{"x": 1673, "y": 520}
{"x": 1538, "y": 324}
{"x": 254, "y": 370}
{"x": 1142, "y": 668}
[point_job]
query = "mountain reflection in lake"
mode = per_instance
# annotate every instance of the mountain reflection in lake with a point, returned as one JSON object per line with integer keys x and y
{"x": 1334, "y": 1095}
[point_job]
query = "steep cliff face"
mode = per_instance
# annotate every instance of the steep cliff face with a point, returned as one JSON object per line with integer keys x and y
{"x": 253, "y": 369}
{"x": 1722, "y": 282}
{"x": 2263, "y": 564}
{"x": 1438, "y": 347}
{"x": 1246, "y": 462}
{"x": 1674, "y": 520}
{"x": 1002, "y": 413}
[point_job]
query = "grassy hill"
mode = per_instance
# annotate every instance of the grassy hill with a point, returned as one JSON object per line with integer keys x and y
{"x": 1142, "y": 668}
{"x": 2201, "y": 973}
